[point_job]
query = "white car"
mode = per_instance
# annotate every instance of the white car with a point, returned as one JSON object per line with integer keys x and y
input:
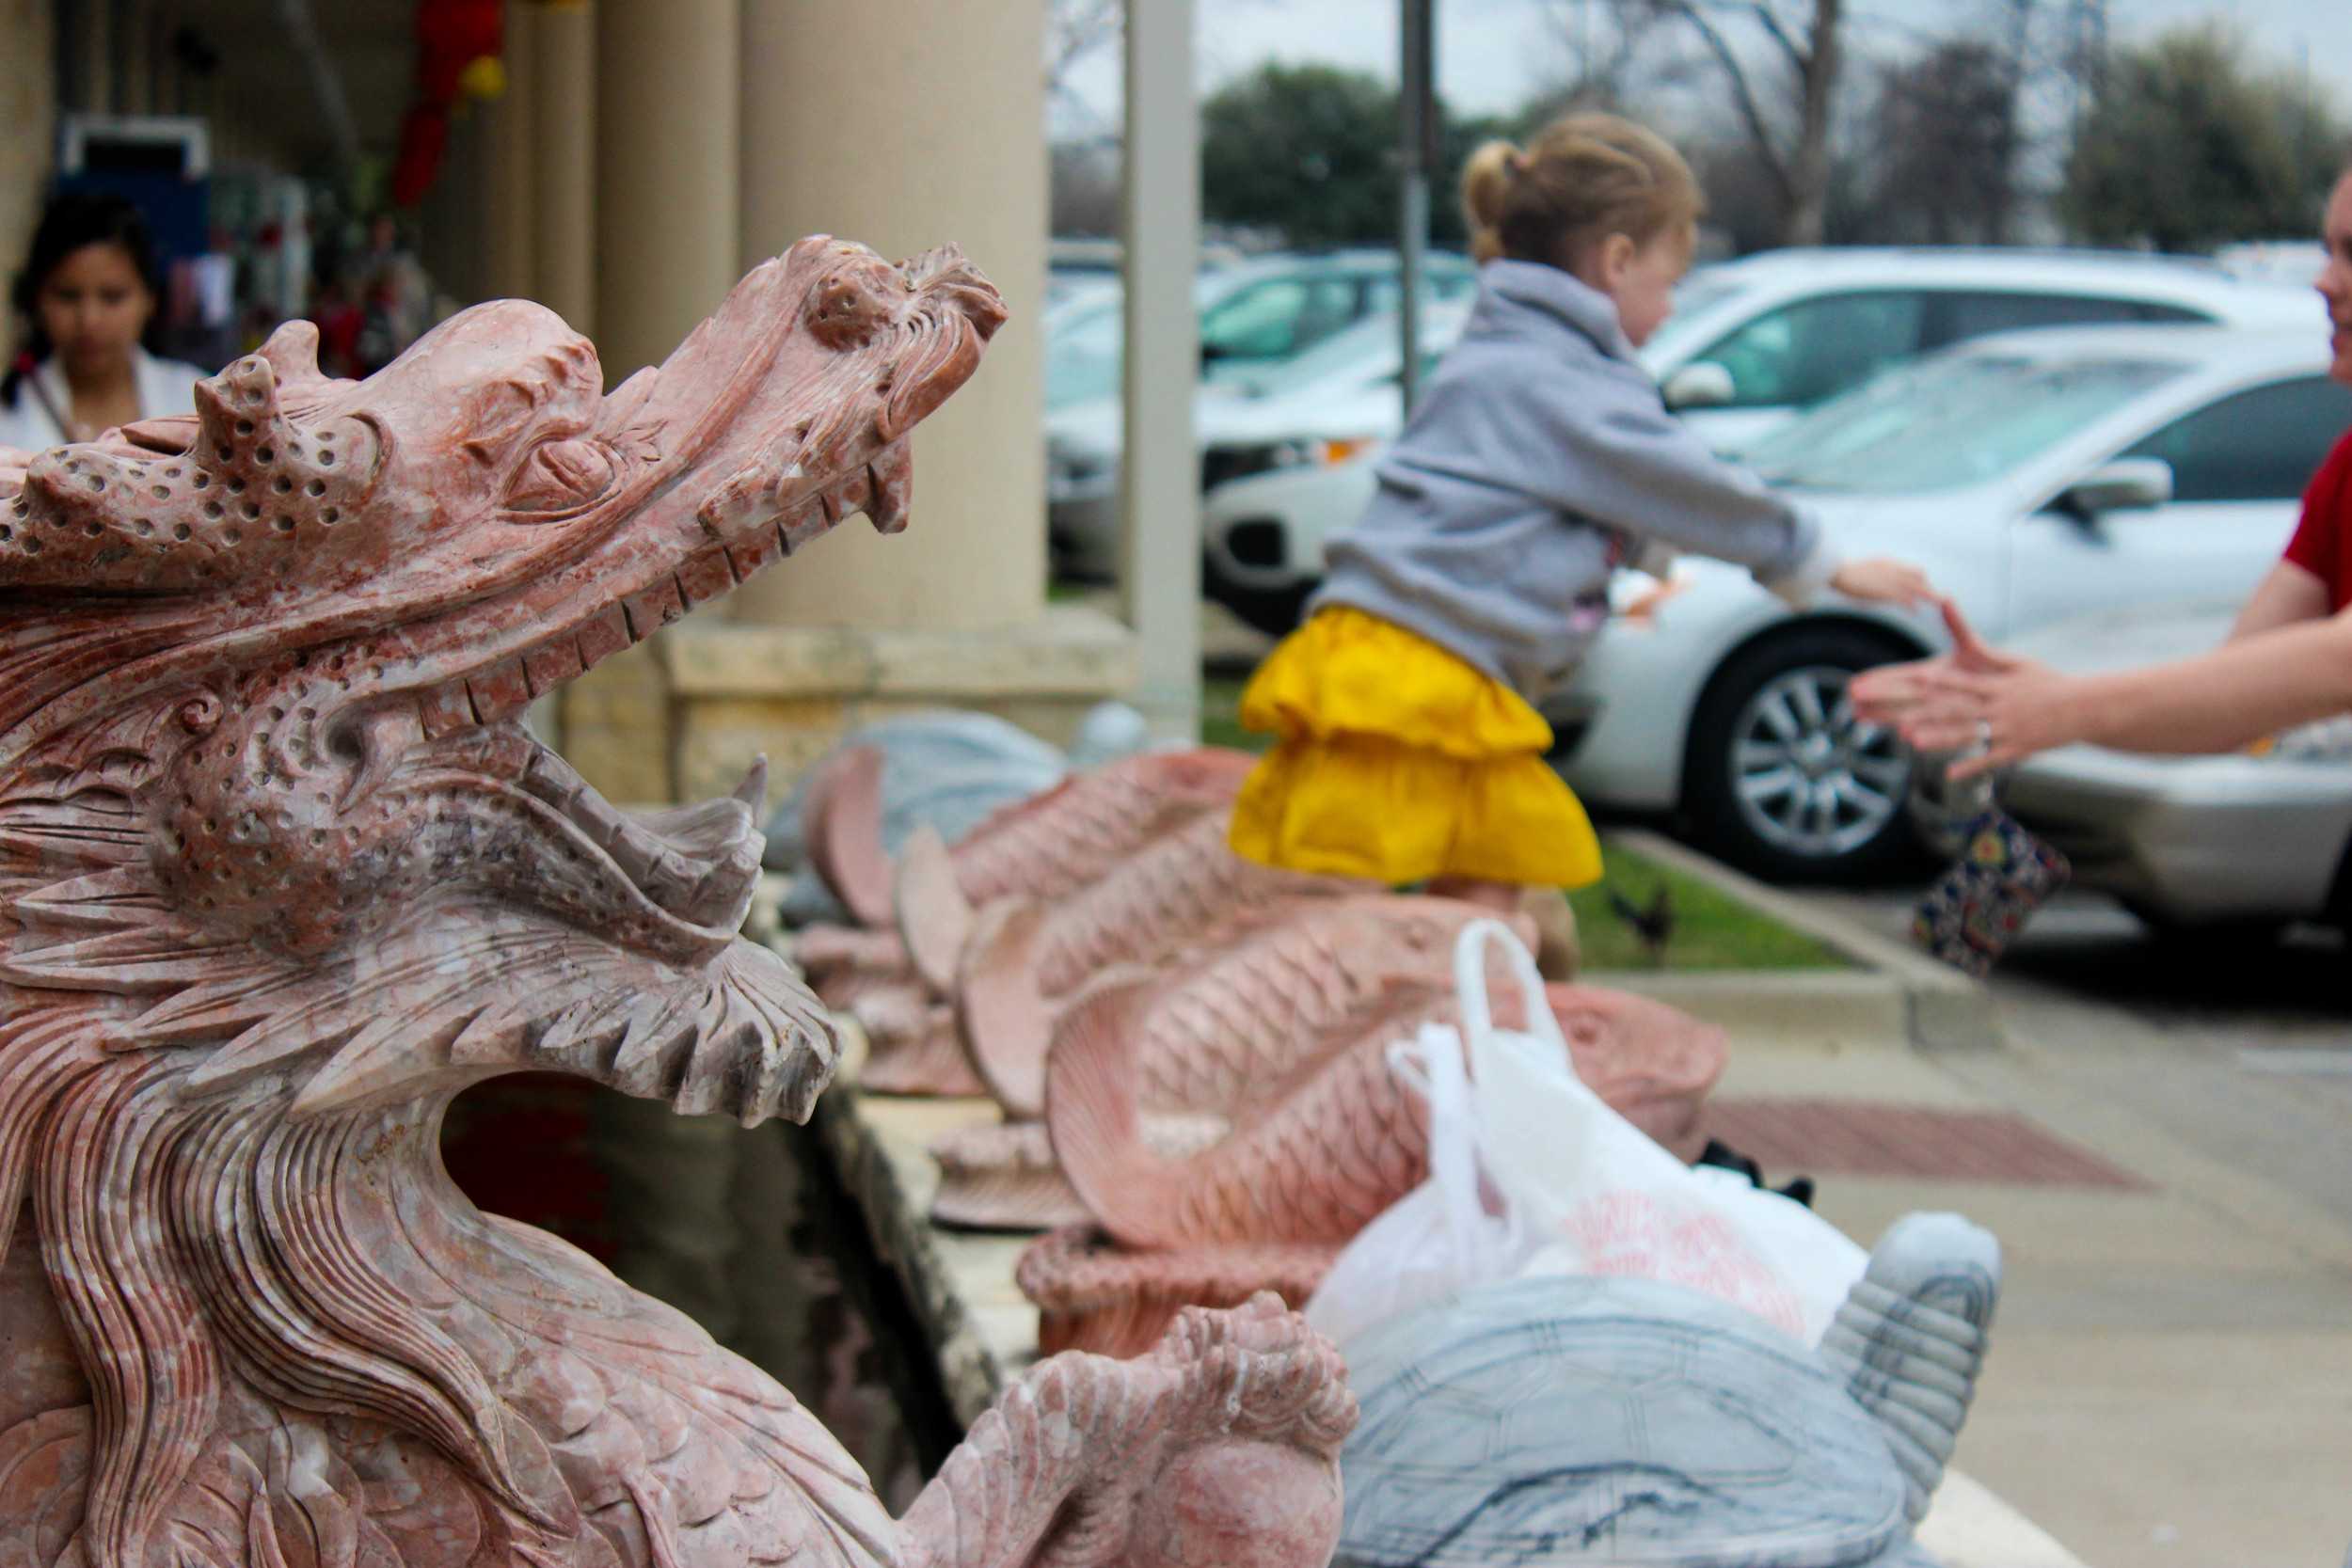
{"x": 1756, "y": 340}
{"x": 2250, "y": 840}
{"x": 2035, "y": 476}
{"x": 1751, "y": 343}
{"x": 1255, "y": 316}
{"x": 1323, "y": 407}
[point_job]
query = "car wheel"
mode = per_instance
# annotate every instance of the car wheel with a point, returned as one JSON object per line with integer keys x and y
{"x": 1272, "y": 611}
{"x": 1781, "y": 779}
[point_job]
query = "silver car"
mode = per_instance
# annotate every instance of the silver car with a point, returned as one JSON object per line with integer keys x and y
{"x": 2257, "y": 838}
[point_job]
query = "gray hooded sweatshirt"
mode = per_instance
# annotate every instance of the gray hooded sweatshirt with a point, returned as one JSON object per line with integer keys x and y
{"x": 1542, "y": 457}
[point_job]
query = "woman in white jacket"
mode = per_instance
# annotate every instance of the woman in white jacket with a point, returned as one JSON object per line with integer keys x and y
{"x": 85, "y": 304}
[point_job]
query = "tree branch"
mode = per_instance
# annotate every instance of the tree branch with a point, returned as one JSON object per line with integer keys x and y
{"x": 1779, "y": 31}
{"x": 1743, "y": 93}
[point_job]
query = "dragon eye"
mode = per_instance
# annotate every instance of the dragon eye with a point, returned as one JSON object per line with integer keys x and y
{"x": 559, "y": 479}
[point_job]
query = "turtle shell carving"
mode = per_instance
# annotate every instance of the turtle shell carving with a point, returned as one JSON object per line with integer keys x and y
{"x": 1605, "y": 1420}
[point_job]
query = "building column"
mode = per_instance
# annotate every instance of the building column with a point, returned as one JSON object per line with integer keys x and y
{"x": 510, "y": 223}
{"x": 936, "y": 134}
{"x": 28, "y": 100}
{"x": 665, "y": 224}
{"x": 1159, "y": 481}
{"x": 564, "y": 159}
{"x": 905, "y": 124}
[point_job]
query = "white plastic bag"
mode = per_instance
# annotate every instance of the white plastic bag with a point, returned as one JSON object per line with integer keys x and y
{"x": 1437, "y": 1238}
{"x": 1583, "y": 1190}
{"x": 1596, "y": 1195}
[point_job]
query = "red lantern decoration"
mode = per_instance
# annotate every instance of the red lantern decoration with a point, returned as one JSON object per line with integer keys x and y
{"x": 459, "y": 43}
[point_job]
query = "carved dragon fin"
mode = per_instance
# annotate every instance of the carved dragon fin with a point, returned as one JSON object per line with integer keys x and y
{"x": 934, "y": 917}
{"x": 1091, "y": 1110}
{"x": 1006, "y": 1022}
{"x": 842, "y": 826}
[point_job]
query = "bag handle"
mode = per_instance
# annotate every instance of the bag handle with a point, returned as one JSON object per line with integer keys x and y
{"x": 1432, "y": 1064}
{"x": 1470, "y": 982}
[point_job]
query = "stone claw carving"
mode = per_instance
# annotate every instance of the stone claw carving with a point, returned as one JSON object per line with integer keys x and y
{"x": 1219, "y": 1447}
{"x": 281, "y": 873}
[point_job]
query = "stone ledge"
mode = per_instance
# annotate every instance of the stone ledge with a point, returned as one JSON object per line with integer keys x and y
{"x": 681, "y": 715}
{"x": 1069, "y": 651}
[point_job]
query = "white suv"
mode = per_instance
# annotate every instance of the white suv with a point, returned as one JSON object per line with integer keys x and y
{"x": 1754, "y": 341}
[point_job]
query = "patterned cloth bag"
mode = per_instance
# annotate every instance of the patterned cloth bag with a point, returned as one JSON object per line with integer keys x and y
{"x": 1976, "y": 907}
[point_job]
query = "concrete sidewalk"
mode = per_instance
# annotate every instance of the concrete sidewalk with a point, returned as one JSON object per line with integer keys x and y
{"x": 2171, "y": 1378}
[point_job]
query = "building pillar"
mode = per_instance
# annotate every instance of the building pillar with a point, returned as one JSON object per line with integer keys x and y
{"x": 454, "y": 218}
{"x": 510, "y": 221}
{"x": 1159, "y": 483}
{"x": 666, "y": 230}
{"x": 938, "y": 134}
{"x": 563, "y": 160}
{"x": 28, "y": 100}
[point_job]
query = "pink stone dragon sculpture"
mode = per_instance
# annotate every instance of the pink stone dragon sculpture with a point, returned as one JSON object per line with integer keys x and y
{"x": 280, "y": 872}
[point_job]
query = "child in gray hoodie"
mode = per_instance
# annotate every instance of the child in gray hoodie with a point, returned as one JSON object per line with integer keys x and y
{"x": 1541, "y": 459}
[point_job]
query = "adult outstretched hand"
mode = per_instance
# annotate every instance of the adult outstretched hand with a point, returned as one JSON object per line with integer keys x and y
{"x": 1973, "y": 694}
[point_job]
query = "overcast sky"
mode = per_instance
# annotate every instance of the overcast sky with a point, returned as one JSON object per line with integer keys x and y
{"x": 1493, "y": 54}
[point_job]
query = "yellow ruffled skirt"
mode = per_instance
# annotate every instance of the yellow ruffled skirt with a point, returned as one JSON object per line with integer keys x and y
{"x": 1397, "y": 761}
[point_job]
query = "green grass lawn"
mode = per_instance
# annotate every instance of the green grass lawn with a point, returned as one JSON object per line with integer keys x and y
{"x": 1220, "y": 704}
{"x": 1711, "y": 929}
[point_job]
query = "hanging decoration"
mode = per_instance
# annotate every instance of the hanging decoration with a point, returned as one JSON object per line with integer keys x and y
{"x": 460, "y": 49}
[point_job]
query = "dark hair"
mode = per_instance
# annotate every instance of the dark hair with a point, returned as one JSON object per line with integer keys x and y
{"x": 72, "y": 220}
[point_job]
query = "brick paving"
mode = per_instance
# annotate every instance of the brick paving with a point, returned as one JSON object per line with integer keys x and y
{"x": 1864, "y": 1137}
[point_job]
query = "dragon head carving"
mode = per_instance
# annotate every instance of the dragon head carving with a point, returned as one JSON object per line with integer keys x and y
{"x": 281, "y": 869}
{"x": 267, "y": 667}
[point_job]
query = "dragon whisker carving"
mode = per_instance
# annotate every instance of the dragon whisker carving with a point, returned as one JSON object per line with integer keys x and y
{"x": 282, "y": 872}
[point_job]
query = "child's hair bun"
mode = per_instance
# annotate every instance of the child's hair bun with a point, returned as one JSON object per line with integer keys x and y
{"x": 1582, "y": 177}
{"x": 1486, "y": 180}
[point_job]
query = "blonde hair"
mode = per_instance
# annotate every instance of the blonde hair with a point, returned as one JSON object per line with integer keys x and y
{"x": 1584, "y": 178}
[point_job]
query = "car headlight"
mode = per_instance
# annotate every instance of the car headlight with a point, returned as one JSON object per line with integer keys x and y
{"x": 1219, "y": 464}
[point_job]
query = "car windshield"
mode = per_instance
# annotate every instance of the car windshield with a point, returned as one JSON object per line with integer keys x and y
{"x": 1951, "y": 423}
{"x": 1081, "y": 353}
{"x": 1366, "y": 350}
{"x": 1085, "y": 336}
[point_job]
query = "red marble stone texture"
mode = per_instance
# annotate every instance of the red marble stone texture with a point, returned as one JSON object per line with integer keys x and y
{"x": 282, "y": 872}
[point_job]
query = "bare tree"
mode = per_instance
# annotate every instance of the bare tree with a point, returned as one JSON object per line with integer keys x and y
{"x": 1601, "y": 43}
{"x": 1802, "y": 38}
{"x": 1942, "y": 134}
{"x": 1075, "y": 29}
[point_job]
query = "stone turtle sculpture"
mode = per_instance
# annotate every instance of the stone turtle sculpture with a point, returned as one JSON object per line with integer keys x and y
{"x": 1588, "y": 1420}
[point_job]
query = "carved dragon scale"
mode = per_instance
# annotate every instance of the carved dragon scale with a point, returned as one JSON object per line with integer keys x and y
{"x": 280, "y": 872}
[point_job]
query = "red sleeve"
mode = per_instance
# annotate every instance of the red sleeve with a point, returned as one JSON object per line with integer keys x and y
{"x": 2318, "y": 542}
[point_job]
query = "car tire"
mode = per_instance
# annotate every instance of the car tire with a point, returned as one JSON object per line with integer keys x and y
{"x": 1779, "y": 779}
{"x": 1272, "y": 611}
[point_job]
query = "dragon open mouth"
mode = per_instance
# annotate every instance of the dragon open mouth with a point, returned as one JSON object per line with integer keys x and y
{"x": 696, "y": 865}
{"x": 319, "y": 609}
{"x": 880, "y": 488}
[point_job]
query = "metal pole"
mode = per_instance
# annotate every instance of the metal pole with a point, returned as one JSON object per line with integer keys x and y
{"x": 1417, "y": 153}
{"x": 1159, "y": 482}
